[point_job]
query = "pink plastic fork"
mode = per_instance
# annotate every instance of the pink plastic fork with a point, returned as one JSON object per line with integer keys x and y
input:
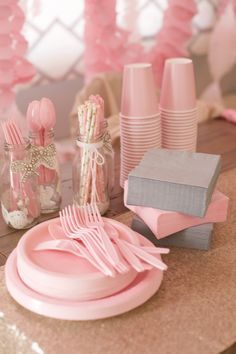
{"x": 76, "y": 225}
{"x": 127, "y": 256}
{"x": 13, "y": 137}
{"x": 128, "y": 248}
{"x": 57, "y": 233}
{"x": 91, "y": 222}
{"x": 75, "y": 229}
{"x": 66, "y": 223}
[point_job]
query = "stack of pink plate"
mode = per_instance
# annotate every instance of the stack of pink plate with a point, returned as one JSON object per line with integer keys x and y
{"x": 62, "y": 285}
{"x": 140, "y": 123}
{"x": 178, "y": 105}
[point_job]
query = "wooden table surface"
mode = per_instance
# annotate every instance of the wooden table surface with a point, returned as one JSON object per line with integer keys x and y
{"x": 216, "y": 137}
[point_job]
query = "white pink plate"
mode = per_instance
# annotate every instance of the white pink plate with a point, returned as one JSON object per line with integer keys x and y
{"x": 64, "y": 275}
{"x": 139, "y": 291}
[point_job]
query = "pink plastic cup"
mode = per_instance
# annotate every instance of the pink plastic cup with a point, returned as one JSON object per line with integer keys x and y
{"x": 149, "y": 131}
{"x": 179, "y": 124}
{"x": 179, "y": 112}
{"x": 178, "y": 85}
{"x": 150, "y": 126}
{"x": 140, "y": 120}
{"x": 130, "y": 118}
{"x": 139, "y": 140}
{"x": 139, "y": 97}
{"x": 180, "y": 132}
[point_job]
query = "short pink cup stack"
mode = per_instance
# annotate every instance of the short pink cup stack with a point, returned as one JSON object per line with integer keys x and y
{"x": 178, "y": 105}
{"x": 140, "y": 123}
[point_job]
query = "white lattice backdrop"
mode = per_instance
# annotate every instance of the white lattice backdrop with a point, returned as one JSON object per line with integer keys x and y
{"x": 55, "y": 33}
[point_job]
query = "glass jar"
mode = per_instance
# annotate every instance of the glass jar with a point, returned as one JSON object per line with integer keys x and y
{"x": 44, "y": 149}
{"x": 91, "y": 173}
{"x": 19, "y": 187}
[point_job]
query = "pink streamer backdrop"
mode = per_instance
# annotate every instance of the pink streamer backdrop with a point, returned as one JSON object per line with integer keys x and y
{"x": 108, "y": 48}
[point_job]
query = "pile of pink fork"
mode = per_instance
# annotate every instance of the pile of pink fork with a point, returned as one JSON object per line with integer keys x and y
{"x": 85, "y": 233}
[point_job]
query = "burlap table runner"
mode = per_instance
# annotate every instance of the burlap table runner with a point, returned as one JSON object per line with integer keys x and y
{"x": 194, "y": 312}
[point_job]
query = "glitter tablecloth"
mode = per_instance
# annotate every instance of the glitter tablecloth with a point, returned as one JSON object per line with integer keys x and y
{"x": 193, "y": 312}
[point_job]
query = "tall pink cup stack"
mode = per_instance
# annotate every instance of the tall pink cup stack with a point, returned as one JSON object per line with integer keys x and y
{"x": 178, "y": 105}
{"x": 140, "y": 123}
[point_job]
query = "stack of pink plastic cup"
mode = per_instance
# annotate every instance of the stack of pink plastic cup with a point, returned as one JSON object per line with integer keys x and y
{"x": 140, "y": 123}
{"x": 178, "y": 105}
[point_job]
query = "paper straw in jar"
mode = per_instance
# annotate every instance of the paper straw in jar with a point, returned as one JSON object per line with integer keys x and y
{"x": 88, "y": 115}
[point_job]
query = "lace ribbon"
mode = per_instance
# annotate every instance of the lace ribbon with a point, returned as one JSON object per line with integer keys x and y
{"x": 39, "y": 155}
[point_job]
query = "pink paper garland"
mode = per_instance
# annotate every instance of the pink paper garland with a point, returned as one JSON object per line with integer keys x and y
{"x": 14, "y": 68}
{"x": 107, "y": 47}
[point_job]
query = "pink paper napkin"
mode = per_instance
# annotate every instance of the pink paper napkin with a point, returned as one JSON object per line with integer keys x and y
{"x": 164, "y": 223}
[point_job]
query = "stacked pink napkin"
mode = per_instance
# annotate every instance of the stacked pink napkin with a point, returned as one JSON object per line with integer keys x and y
{"x": 164, "y": 223}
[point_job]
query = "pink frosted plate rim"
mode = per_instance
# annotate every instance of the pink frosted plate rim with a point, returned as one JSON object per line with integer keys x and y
{"x": 142, "y": 288}
{"x": 59, "y": 273}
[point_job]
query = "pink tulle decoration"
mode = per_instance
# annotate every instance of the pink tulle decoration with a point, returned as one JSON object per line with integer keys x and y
{"x": 175, "y": 32}
{"x": 14, "y": 68}
{"x": 109, "y": 48}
